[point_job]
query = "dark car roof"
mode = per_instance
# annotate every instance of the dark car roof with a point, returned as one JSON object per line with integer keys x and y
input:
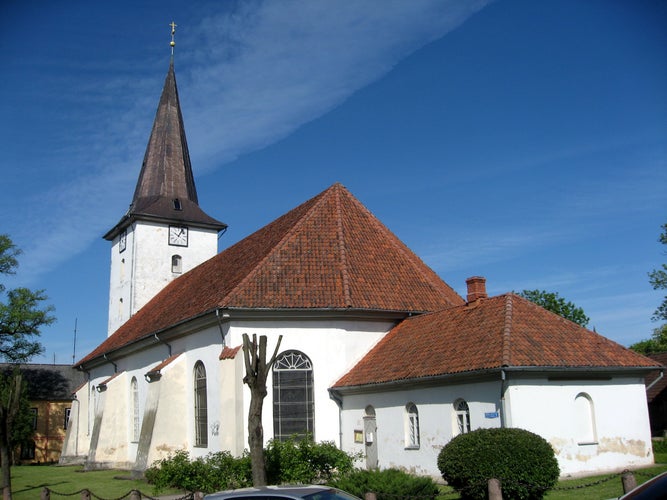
{"x": 293, "y": 492}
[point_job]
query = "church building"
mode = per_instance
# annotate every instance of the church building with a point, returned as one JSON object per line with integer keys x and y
{"x": 378, "y": 353}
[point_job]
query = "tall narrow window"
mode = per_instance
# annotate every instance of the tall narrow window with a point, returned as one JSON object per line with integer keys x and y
{"x": 462, "y": 416}
{"x": 411, "y": 426}
{"x": 176, "y": 264}
{"x": 68, "y": 413}
{"x": 293, "y": 404}
{"x": 584, "y": 419}
{"x": 134, "y": 394}
{"x": 201, "y": 411}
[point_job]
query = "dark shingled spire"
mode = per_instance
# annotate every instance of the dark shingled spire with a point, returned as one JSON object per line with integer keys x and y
{"x": 166, "y": 189}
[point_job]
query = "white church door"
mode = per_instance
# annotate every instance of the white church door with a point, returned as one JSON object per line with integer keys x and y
{"x": 370, "y": 438}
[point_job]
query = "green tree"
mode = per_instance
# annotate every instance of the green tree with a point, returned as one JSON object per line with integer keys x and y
{"x": 22, "y": 316}
{"x": 657, "y": 342}
{"x": 551, "y": 301}
{"x": 658, "y": 280}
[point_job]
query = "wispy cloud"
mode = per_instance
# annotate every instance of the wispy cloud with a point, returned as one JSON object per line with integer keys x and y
{"x": 263, "y": 70}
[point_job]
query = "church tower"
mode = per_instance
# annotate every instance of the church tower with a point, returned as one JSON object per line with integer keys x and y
{"x": 164, "y": 232}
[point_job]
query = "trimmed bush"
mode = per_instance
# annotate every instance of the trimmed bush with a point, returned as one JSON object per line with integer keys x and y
{"x": 388, "y": 484}
{"x": 291, "y": 461}
{"x": 304, "y": 461}
{"x": 524, "y": 463}
{"x": 214, "y": 472}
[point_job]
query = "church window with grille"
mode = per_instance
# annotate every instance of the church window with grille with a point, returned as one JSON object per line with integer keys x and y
{"x": 293, "y": 403}
{"x": 462, "y": 416}
{"x": 411, "y": 426}
{"x": 201, "y": 410}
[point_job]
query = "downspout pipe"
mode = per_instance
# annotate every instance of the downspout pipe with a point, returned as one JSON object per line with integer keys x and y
{"x": 222, "y": 317}
{"x": 115, "y": 366}
{"x": 503, "y": 406}
{"x": 662, "y": 374}
{"x": 162, "y": 341}
{"x": 335, "y": 395}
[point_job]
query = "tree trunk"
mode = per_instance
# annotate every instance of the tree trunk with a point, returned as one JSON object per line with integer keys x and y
{"x": 9, "y": 407}
{"x": 6, "y": 471}
{"x": 257, "y": 370}
{"x": 256, "y": 437}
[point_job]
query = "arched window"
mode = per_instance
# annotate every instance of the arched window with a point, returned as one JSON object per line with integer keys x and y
{"x": 176, "y": 264}
{"x": 584, "y": 419}
{"x": 136, "y": 423}
{"x": 462, "y": 416}
{"x": 201, "y": 411}
{"x": 411, "y": 426}
{"x": 293, "y": 404}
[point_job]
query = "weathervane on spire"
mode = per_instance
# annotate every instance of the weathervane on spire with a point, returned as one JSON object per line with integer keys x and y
{"x": 173, "y": 32}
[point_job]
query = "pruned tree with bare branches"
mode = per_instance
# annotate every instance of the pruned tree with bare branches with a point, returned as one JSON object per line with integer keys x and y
{"x": 256, "y": 372}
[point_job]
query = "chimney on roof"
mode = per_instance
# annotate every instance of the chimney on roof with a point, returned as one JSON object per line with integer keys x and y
{"x": 476, "y": 288}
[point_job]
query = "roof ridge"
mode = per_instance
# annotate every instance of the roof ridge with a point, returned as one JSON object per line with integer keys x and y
{"x": 507, "y": 331}
{"x": 300, "y": 221}
{"x": 341, "y": 247}
{"x": 430, "y": 276}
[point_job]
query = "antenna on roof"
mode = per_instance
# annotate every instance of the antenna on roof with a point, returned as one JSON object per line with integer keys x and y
{"x": 74, "y": 351}
{"x": 173, "y": 32}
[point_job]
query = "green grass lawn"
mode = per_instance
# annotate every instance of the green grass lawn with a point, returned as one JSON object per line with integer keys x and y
{"x": 593, "y": 488}
{"x": 29, "y": 480}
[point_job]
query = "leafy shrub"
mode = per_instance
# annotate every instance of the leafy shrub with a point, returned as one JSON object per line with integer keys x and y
{"x": 524, "y": 463}
{"x": 291, "y": 461}
{"x": 659, "y": 446}
{"x": 387, "y": 484}
{"x": 305, "y": 461}
{"x": 215, "y": 471}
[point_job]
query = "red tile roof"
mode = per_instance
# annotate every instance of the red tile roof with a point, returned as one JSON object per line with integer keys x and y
{"x": 503, "y": 331}
{"x": 162, "y": 365}
{"x": 230, "y": 352}
{"x": 328, "y": 253}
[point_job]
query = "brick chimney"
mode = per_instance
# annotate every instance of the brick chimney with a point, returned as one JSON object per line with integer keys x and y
{"x": 476, "y": 288}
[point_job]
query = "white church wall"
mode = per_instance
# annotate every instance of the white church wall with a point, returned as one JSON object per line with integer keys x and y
{"x": 145, "y": 266}
{"x": 230, "y": 393}
{"x": 170, "y": 432}
{"x": 112, "y": 440}
{"x": 333, "y": 346}
{"x": 437, "y": 422}
{"x": 204, "y": 346}
{"x": 608, "y": 430}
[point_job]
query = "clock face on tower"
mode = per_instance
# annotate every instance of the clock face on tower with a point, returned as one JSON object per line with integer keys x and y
{"x": 122, "y": 242}
{"x": 178, "y": 236}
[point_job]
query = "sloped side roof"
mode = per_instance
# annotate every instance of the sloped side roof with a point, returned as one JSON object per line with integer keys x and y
{"x": 49, "y": 381}
{"x": 660, "y": 385}
{"x": 328, "y": 253}
{"x": 166, "y": 172}
{"x": 503, "y": 331}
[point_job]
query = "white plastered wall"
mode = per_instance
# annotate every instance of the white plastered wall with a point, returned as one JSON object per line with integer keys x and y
{"x": 437, "y": 421}
{"x": 144, "y": 267}
{"x": 344, "y": 341}
{"x": 620, "y": 418}
{"x": 333, "y": 348}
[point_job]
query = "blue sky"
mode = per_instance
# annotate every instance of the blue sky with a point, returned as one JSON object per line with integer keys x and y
{"x": 522, "y": 141}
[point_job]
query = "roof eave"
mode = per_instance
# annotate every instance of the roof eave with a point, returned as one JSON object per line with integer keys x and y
{"x": 208, "y": 318}
{"x": 561, "y": 373}
{"x": 129, "y": 219}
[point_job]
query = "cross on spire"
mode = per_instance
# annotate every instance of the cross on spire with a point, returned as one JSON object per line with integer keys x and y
{"x": 173, "y": 32}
